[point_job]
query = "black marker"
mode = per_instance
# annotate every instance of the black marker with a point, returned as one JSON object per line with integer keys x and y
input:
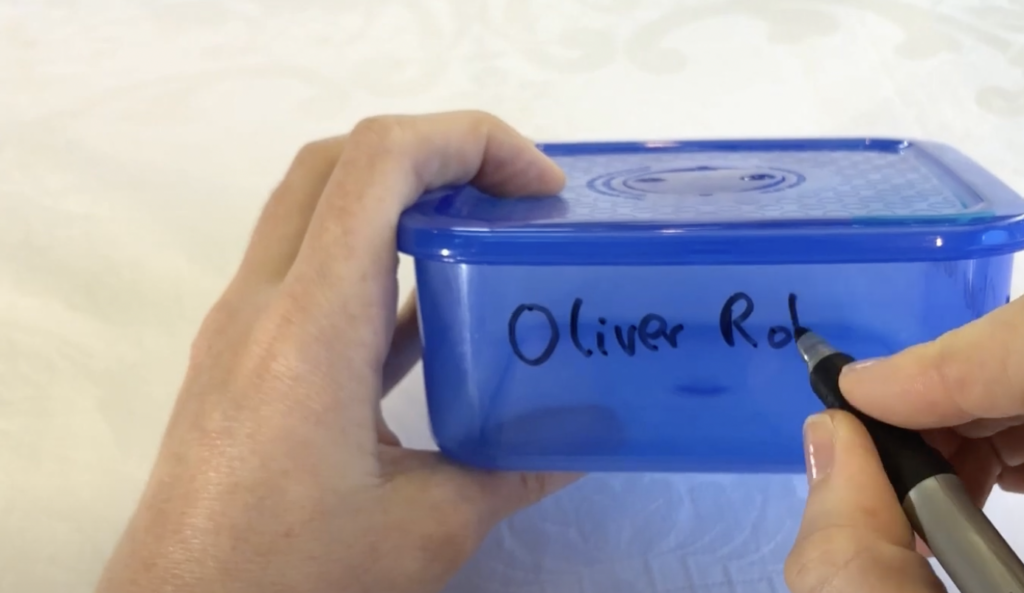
{"x": 965, "y": 543}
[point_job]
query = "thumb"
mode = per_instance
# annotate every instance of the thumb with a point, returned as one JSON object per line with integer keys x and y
{"x": 976, "y": 371}
{"x": 510, "y": 492}
{"x": 854, "y": 536}
{"x": 480, "y": 498}
{"x": 406, "y": 347}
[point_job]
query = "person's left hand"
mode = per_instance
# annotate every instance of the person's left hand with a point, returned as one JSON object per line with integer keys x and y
{"x": 277, "y": 472}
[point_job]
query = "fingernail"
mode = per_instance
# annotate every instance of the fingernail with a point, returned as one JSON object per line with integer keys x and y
{"x": 819, "y": 447}
{"x": 853, "y": 367}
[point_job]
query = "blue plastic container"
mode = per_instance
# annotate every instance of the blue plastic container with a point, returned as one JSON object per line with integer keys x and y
{"x": 639, "y": 322}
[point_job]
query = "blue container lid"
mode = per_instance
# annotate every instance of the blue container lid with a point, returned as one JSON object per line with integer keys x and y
{"x": 731, "y": 202}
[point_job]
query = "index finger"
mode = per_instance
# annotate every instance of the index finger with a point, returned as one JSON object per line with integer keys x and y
{"x": 976, "y": 371}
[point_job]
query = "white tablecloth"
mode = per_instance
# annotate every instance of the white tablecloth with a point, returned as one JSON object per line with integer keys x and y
{"x": 138, "y": 141}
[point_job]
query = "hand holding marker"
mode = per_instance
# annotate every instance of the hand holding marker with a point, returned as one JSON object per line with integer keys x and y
{"x": 935, "y": 501}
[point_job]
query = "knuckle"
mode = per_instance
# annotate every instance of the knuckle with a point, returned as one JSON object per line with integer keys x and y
{"x": 380, "y": 132}
{"x": 534, "y": 486}
{"x": 272, "y": 344}
{"x": 484, "y": 124}
{"x": 1012, "y": 480}
{"x": 316, "y": 153}
{"x": 217, "y": 323}
{"x": 946, "y": 372}
{"x": 480, "y": 114}
{"x": 311, "y": 150}
{"x": 454, "y": 537}
{"x": 821, "y": 559}
{"x": 200, "y": 348}
{"x": 455, "y": 528}
{"x": 484, "y": 119}
{"x": 800, "y": 570}
{"x": 271, "y": 354}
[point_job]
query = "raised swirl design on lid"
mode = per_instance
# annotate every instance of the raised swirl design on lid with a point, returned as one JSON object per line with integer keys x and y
{"x": 696, "y": 181}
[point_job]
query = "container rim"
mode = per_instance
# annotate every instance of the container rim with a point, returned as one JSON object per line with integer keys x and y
{"x": 428, "y": 231}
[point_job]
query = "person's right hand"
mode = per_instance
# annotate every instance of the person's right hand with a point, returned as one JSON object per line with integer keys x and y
{"x": 965, "y": 392}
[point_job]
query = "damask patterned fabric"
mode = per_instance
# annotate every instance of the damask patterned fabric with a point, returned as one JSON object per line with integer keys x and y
{"x": 138, "y": 141}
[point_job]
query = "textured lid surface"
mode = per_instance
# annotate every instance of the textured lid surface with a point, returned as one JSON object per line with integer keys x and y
{"x": 769, "y": 201}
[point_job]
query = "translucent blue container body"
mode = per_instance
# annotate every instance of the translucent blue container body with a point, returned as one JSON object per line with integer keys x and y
{"x": 639, "y": 320}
